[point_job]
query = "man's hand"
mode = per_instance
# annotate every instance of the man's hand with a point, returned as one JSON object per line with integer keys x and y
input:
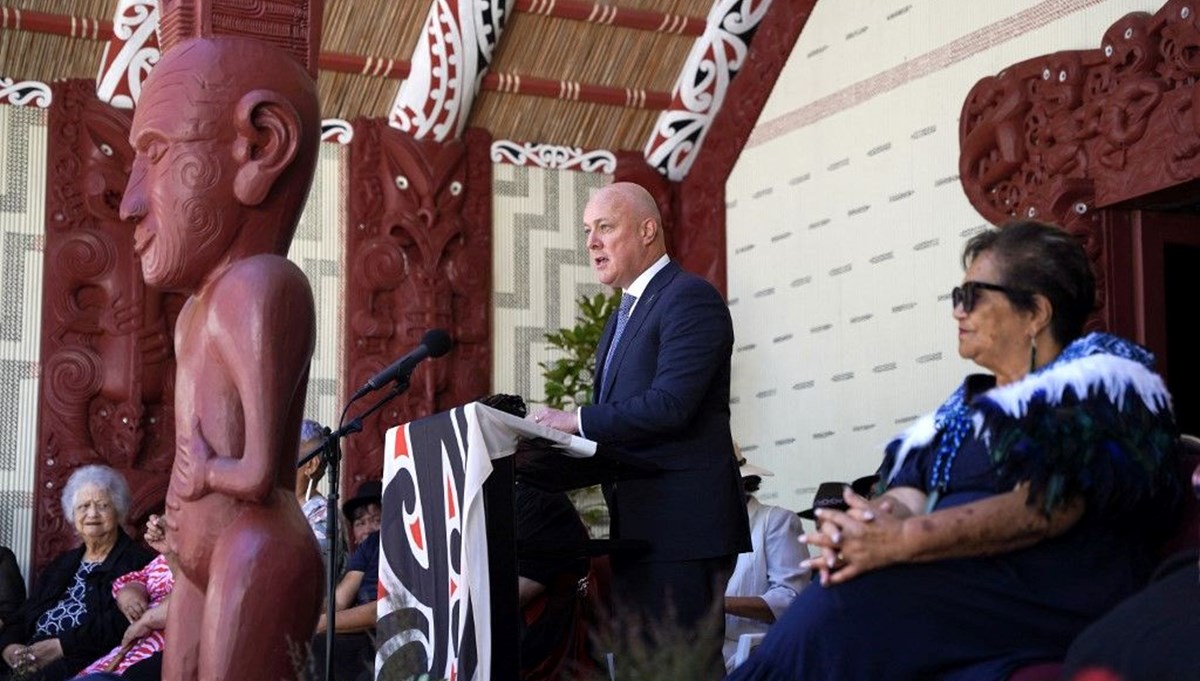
{"x": 132, "y": 600}
{"x": 566, "y": 421}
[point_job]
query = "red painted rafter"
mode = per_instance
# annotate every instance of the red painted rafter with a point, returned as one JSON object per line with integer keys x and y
{"x": 382, "y": 67}
{"x": 633, "y": 98}
{"x": 57, "y": 24}
{"x": 596, "y": 13}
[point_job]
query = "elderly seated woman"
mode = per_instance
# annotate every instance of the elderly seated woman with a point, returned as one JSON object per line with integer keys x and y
{"x": 1018, "y": 512}
{"x": 71, "y": 617}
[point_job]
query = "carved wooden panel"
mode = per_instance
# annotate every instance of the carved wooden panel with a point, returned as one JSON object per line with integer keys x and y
{"x": 1058, "y": 136}
{"x": 418, "y": 254}
{"x": 107, "y": 368}
{"x": 293, "y": 26}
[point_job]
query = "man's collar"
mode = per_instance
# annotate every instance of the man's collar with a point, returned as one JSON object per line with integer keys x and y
{"x": 638, "y": 287}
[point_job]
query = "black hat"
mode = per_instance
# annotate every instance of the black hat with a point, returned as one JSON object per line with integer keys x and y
{"x": 369, "y": 492}
{"x": 865, "y": 486}
{"x": 829, "y": 495}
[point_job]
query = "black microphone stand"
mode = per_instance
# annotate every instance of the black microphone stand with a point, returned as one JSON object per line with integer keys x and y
{"x": 330, "y": 452}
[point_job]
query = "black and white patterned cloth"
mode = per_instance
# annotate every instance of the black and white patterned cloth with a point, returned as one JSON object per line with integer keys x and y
{"x": 71, "y": 611}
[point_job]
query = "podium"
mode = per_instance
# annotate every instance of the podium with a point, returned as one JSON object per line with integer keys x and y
{"x": 447, "y": 582}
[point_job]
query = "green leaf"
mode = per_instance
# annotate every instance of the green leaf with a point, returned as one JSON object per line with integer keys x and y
{"x": 568, "y": 379}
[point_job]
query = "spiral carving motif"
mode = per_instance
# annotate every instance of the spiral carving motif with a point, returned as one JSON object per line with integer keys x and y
{"x": 204, "y": 218}
{"x": 381, "y": 264}
{"x": 197, "y": 171}
{"x": 72, "y": 377}
{"x": 86, "y": 255}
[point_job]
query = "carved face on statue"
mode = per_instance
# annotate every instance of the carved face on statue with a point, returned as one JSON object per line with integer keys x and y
{"x": 210, "y": 145}
{"x": 180, "y": 186}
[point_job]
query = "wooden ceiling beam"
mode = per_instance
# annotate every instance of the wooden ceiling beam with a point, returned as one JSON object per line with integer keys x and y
{"x": 596, "y": 13}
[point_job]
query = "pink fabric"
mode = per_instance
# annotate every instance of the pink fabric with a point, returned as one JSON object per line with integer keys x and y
{"x": 159, "y": 581}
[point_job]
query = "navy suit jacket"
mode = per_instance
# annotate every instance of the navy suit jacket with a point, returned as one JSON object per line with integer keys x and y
{"x": 666, "y": 399}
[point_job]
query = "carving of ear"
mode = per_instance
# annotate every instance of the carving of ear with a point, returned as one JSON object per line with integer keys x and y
{"x": 268, "y": 131}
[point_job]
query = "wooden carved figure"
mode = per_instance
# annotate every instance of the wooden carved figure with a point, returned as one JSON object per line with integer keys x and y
{"x": 225, "y": 139}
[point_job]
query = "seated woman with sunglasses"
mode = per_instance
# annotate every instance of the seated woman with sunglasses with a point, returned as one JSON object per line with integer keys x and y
{"x": 1019, "y": 511}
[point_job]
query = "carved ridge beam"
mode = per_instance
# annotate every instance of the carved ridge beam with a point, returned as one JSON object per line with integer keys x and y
{"x": 596, "y": 13}
{"x": 635, "y": 98}
{"x": 95, "y": 29}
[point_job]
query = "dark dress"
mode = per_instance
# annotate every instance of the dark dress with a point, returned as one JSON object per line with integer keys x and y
{"x": 550, "y": 630}
{"x": 12, "y": 585}
{"x": 103, "y": 626}
{"x": 981, "y": 618}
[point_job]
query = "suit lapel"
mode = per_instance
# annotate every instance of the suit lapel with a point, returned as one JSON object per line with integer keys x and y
{"x": 641, "y": 311}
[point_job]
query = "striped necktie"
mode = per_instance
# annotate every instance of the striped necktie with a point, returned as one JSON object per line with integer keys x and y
{"x": 627, "y": 302}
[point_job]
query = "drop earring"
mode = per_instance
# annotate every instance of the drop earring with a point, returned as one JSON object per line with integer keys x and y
{"x": 308, "y": 492}
{"x": 1032, "y": 352}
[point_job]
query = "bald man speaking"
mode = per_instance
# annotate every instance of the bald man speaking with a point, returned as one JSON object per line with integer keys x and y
{"x": 662, "y": 394}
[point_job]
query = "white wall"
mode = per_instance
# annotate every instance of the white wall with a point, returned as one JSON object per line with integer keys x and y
{"x": 846, "y": 221}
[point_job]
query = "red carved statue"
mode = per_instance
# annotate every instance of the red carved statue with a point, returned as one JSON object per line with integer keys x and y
{"x": 225, "y": 139}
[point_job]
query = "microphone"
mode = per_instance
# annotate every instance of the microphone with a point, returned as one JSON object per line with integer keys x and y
{"x": 435, "y": 343}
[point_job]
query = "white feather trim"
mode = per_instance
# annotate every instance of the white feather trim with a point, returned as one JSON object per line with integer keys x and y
{"x": 919, "y": 434}
{"x": 1105, "y": 374}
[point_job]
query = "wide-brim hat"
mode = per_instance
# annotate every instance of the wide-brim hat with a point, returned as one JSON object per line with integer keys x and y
{"x": 829, "y": 495}
{"x": 369, "y": 492}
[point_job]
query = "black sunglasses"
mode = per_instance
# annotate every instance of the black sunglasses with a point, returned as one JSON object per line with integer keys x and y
{"x": 968, "y": 293}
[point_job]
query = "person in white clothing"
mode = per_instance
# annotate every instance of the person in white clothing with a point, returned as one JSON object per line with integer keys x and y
{"x": 766, "y": 580}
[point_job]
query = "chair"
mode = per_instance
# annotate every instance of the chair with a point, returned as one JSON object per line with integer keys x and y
{"x": 1185, "y": 535}
{"x": 746, "y": 645}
